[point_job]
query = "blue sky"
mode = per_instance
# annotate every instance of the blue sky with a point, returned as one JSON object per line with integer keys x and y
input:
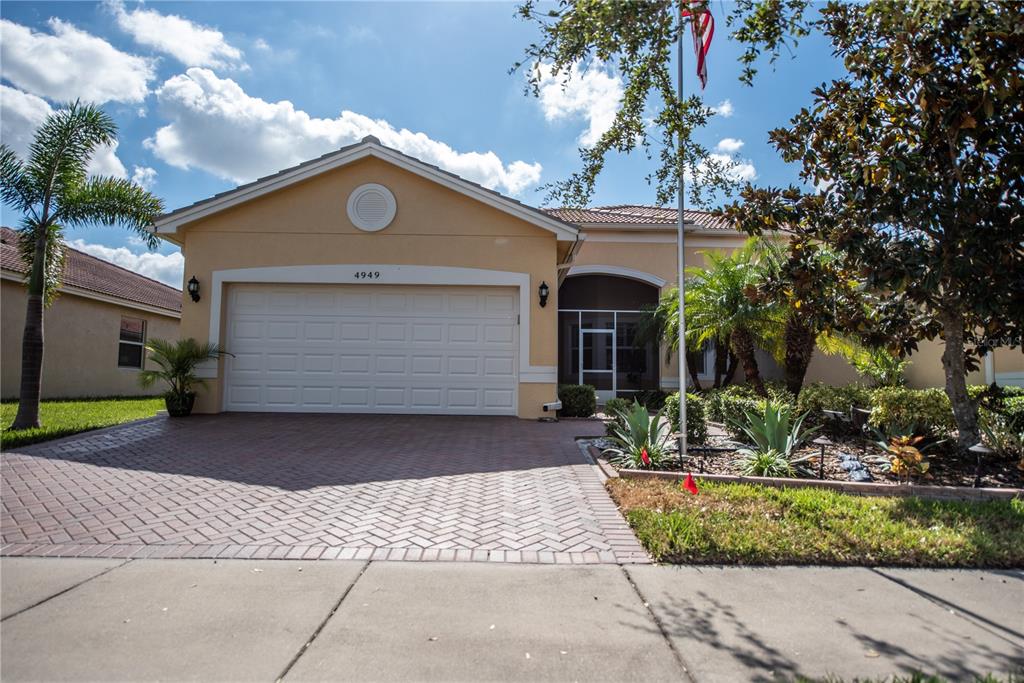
{"x": 208, "y": 95}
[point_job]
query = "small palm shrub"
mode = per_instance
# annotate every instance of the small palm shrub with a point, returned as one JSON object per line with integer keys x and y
{"x": 640, "y": 438}
{"x": 177, "y": 363}
{"x": 578, "y": 400}
{"x": 773, "y": 432}
{"x": 696, "y": 421}
{"x": 881, "y": 367}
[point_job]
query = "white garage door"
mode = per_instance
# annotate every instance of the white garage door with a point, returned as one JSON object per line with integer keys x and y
{"x": 372, "y": 349}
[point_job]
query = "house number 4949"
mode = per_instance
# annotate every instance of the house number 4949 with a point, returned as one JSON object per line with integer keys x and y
{"x": 367, "y": 274}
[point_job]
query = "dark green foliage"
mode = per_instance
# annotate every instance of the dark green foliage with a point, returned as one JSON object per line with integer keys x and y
{"x": 578, "y": 400}
{"x": 613, "y": 408}
{"x": 696, "y": 419}
{"x": 817, "y": 397}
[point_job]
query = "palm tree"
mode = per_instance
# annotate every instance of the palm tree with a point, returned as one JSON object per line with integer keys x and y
{"x": 177, "y": 362}
{"x": 721, "y": 307}
{"x": 53, "y": 191}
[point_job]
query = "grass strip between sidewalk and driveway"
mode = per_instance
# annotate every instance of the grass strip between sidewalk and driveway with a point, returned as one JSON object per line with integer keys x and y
{"x": 747, "y": 524}
{"x": 62, "y": 418}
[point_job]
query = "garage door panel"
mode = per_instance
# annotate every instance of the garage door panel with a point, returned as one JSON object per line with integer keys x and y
{"x": 372, "y": 349}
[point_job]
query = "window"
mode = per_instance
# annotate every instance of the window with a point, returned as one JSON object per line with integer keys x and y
{"x": 130, "y": 347}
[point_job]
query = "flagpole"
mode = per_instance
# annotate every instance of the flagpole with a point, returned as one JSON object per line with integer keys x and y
{"x": 681, "y": 242}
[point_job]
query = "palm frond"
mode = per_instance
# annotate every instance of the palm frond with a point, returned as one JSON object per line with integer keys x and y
{"x": 60, "y": 151}
{"x": 112, "y": 201}
{"x": 15, "y": 185}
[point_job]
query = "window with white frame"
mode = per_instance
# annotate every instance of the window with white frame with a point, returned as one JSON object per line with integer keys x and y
{"x": 131, "y": 349}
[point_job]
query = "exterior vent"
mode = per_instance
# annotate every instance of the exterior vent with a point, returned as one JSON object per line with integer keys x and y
{"x": 371, "y": 207}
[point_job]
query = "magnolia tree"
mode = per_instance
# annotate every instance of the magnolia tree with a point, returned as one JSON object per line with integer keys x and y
{"x": 917, "y": 156}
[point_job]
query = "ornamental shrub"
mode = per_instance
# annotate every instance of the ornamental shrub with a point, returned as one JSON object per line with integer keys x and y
{"x": 928, "y": 409}
{"x": 578, "y": 400}
{"x": 614, "y": 408}
{"x": 817, "y": 397}
{"x": 696, "y": 420}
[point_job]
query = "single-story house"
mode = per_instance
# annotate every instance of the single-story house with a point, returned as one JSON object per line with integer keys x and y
{"x": 369, "y": 281}
{"x": 95, "y": 329}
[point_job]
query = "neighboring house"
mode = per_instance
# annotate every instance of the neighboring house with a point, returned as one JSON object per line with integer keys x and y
{"x": 369, "y": 281}
{"x": 94, "y": 330}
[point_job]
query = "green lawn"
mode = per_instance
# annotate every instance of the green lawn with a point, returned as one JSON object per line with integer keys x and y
{"x": 60, "y": 418}
{"x": 745, "y": 524}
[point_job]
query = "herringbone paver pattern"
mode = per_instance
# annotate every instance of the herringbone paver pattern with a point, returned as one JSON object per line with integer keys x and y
{"x": 316, "y": 486}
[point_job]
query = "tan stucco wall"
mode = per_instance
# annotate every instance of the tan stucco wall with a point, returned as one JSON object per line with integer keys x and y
{"x": 1008, "y": 360}
{"x": 307, "y": 224}
{"x": 81, "y": 336}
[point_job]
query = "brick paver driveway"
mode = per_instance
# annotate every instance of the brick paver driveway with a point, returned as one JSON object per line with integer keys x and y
{"x": 316, "y": 486}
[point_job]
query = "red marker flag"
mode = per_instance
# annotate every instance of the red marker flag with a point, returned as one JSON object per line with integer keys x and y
{"x": 690, "y": 485}
{"x": 702, "y": 25}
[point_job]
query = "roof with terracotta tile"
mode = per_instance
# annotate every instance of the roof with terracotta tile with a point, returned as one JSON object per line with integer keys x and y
{"x": 87, "y": 272}
{"x": 640, "y": 215}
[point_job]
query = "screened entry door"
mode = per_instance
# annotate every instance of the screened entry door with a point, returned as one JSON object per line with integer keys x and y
{"x": 597, "y": 361}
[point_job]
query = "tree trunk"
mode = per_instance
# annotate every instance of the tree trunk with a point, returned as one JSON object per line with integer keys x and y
{"x": 744, "y": 347}
{"x": 965, "y": 412}
{"x": 800, "y": 345}
{"x": 691, "y": 367}
{"x": 32, "y": 341}
{"x": 730, "y": 370}
{"x": 721, "y": 361}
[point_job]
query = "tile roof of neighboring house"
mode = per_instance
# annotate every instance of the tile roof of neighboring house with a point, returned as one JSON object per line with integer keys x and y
{"x": 96, "y": 275}
{"x": 638, "y": 214}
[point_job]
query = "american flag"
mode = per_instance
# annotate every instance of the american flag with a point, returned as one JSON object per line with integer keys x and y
{"x": 702, "y": 24}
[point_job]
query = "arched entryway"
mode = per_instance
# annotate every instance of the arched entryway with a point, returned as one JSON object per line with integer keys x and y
{"x": 598, "y": 320}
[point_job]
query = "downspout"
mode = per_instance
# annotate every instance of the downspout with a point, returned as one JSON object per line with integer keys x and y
{"x": 570, "y": 257}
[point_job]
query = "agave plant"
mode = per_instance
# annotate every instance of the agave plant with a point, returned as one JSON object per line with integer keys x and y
{"x": 769, "y": 463}
{"x": 640, "y": 438}
{"x": 773, "y": 438}
{"x": 177, "y": 363}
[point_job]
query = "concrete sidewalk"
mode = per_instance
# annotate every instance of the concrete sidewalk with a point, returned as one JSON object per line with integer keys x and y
{"x": 66, "y": 619}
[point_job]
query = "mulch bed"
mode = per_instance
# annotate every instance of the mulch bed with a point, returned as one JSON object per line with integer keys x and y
{"x": 948, "y": 467}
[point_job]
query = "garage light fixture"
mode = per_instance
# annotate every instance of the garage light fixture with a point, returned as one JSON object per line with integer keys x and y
{"x": 193, "y": 288}
{"x": 543, "y": 292}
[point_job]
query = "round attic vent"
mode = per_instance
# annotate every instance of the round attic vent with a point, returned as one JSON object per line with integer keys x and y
{"x": 371, "y": 207}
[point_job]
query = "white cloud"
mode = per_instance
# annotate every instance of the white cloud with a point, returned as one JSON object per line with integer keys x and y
{"x": 144, "y": 176}
{"x": 190, "y": 43}
{"x": 20, "y": 115}
{"x": 361, "y": 34}
{"x": 217, "y": 127}
{"x": 594, "y": 95}
{"x": 261, "y": 44}
{"x": 167, "y": 268}
{"x": 724, "y": 109}
{"x": 729, "y": 145}
{"x": 740, "y": 171}
{"x": 71, "y": 64}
